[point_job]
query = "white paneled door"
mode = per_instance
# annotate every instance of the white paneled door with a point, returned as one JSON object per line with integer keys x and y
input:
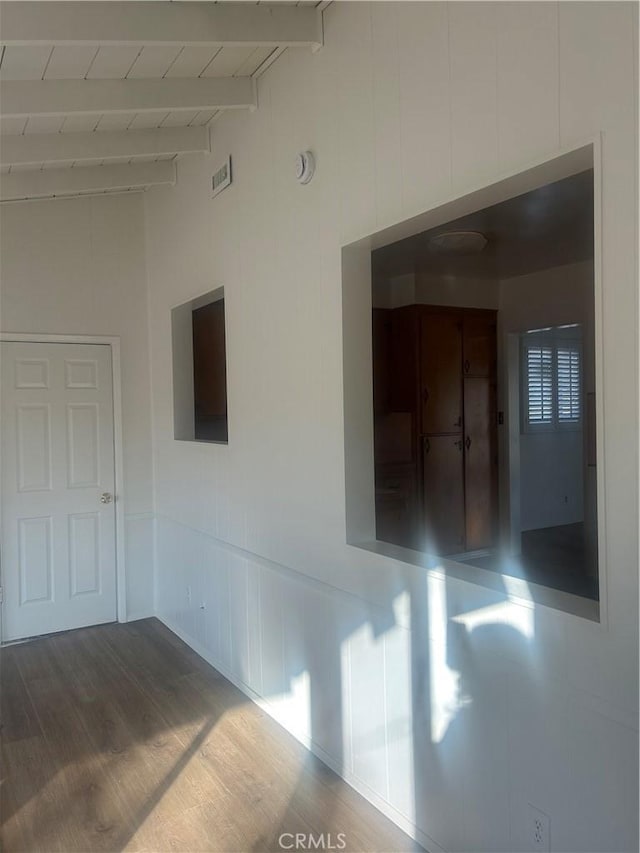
{"x": 57, "y": 470}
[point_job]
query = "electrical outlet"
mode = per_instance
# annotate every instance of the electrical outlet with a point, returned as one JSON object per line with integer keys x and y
{"x": 539, "y": 830}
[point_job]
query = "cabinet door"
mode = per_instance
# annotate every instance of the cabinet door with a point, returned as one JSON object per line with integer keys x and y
{"x": 479, "y": 467}
{"x": 441, "y": 363}
{"x": 479, "y": 345}
{"x": 396, "y": 504}
{"x": 443, "y": 495}
{"x": 404, "y": 359}
{"x": 381, "y": 351}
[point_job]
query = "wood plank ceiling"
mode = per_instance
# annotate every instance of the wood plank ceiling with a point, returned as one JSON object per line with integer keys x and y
{"x": 124, "y": 87}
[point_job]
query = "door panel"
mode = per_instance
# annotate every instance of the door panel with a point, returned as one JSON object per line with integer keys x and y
{"x": 84, "y": 552}
{"x": 83, "y": 456}
{"x": 479, "y": 345}
{"x": 58, "y": 539}
{"x": 35, "y": 559}
{"x": 34, "y": 447}
{"x": 443, "y": 497}
{"x": 479, "y": 463}
{"x": 441, "y": 360}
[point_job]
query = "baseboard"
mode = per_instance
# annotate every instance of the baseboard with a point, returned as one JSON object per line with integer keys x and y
{"x": 142, "y": 614}
{"x": 350, "y": 778}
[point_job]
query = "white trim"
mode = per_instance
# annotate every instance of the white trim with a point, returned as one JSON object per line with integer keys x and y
{"x": 598, "y": 299}
{"x": 114, "y": 343}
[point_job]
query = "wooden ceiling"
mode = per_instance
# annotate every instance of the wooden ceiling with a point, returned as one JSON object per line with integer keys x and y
{"x": 547, "y": 227}
{"x": 108, "y": 84}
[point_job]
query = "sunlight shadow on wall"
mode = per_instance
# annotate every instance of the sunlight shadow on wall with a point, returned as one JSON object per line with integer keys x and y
{"x": 292, "y": 709}
{"x": 444, "y": 682}
{"x": 512, "y": 613}
{"x": 399, "y": 708}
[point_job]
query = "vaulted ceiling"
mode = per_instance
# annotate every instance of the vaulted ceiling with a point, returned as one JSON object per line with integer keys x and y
{"x": 103, "y": 96}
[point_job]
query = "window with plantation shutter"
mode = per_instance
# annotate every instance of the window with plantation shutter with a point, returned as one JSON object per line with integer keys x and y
{"x": 539, "y": 384}
{"x": 551, "y": 379}
{"x": 568, "y": 370}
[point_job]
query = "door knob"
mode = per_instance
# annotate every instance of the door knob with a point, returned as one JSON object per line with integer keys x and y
{"x": 106, "y": 498}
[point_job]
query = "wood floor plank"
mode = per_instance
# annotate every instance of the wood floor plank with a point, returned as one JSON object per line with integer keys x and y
{"x": 318, "y": 797}
{"x": 119, "y": 737}
{"x": 11, "y": 835}
{"x": 17, "y": 716}
{"x": 143, "y": 757}
{"x": 89, "y": 812}
{"x": 27, "y": 770}
{"x": 152, "y": 659}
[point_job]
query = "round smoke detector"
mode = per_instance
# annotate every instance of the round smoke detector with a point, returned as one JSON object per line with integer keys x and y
{"x": 458, "y": 242}
{"x": 305, "y": 167}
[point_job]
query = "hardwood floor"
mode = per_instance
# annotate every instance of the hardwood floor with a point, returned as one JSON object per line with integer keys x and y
{"x": 120, "y": 737}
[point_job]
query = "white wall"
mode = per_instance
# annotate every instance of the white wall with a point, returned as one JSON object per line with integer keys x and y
{"x": 456, "y": 291}
{"x": 450, "y": 706}
{"x": 424, "y": 288}
{"x": 555, "y": 482}
{"x": 77, "y": 267}
{"x": 551, "y": 478}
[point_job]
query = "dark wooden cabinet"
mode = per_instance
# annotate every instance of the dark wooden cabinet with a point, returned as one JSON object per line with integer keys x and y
{"x": 435, "y": 433}
{"x": 397, "y": 504}
{"x": 443, "y": 494}
{"x": 440, "y": 360}
{"x": 479, "y": 344}
{"x": 479, "y": 463}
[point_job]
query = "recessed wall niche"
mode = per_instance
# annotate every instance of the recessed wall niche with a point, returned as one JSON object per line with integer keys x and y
{"x": 200, "y": 369}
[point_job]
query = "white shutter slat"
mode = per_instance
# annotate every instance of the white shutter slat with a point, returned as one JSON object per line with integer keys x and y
{"x": 539, "y": 384}
{"x": 569, "y": 403}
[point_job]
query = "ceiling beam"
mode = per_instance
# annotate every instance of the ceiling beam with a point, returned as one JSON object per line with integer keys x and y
{"x": 86, "y": 97}
{"x": 45, "y": 183}
{"x": 36, "y": 148}
{"x": 158, "y": 23}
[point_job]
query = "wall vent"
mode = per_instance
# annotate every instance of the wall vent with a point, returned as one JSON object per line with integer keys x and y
{"x": 222, "y": 178}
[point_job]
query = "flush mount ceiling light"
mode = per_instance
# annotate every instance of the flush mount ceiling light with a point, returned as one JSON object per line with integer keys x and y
{"x": 458, "y": 242}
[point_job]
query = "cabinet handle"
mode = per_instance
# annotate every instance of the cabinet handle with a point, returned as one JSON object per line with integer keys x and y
{"x": 425, "y": 395}
{"x": 467, "y": 443}
{"x": 426, "y": 444}
{"x": 466, "y": 366}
